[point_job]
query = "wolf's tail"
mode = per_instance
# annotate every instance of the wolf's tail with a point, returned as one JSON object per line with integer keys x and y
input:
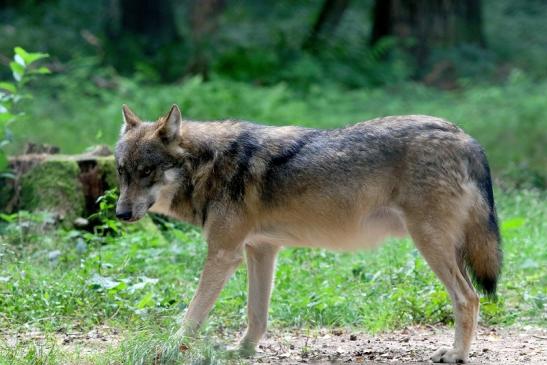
{"x": 482, "y": 253}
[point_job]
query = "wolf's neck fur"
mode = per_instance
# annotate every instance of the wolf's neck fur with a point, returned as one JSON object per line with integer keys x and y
{"x": 211, "y": 170}
{"x": 231, "y": 163}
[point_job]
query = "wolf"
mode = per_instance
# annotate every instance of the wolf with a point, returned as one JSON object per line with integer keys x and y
{"x": 254, "y": 189}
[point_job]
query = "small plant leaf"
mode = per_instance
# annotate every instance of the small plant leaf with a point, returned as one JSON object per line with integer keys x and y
{"x": 17, "y": 70}
{"x": 146, "y": 301}
{"x": 7, "y": 175}
{"x": 41, "y": 71}
{"x": 29, "y": 58}
{"x": 33, "y": 57}
{"x": 20, "y": 52}
{"x": 8, "y": 86}
{"x": 142, "y": 284}
{"x": 19, "y": 60}
{"x": 102, "y": 282}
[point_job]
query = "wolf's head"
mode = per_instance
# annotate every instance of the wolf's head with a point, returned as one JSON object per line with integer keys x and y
{"x": 147, "y": 161}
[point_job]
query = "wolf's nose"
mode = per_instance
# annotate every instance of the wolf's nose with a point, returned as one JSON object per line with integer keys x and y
{"x": 124, "y": 215}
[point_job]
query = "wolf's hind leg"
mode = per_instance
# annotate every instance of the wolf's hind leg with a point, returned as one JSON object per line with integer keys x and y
{"x": 260, "y": 267}
{"x": 441, "y": 253}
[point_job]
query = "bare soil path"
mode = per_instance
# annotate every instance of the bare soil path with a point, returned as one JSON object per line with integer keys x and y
{"x": 412, "y": 345}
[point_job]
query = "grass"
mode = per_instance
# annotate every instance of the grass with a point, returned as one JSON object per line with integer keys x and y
{"x": 141, "y": 281}
{"x": 509, "y": 120}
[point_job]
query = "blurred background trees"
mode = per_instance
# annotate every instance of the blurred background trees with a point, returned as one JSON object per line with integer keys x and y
{"x": 141, "y": 28}
{"x": 327, "y": 21}
{"x": 479, "y": 63}
{"x": 353, "y": 43}
{"x": 424, "y": 25}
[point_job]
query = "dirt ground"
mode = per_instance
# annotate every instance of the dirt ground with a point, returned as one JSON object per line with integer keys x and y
{"x": 412, "y": 345}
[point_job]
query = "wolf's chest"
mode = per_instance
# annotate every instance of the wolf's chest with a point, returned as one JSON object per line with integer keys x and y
{"x": 164, "y": 201}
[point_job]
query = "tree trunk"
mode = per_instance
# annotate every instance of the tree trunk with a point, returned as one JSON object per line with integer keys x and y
{"x": 140, "y": 31}
{"x": 203, "y": 21}
{"x": 152, "y": 19}
{"x": 326, "y": 23}
{"x": 66, "y": 185}
{"x": 428, "y": 24}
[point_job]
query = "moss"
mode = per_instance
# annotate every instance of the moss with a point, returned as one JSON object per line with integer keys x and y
{"x": 53, "y": 185}
{"x": 107, "y": 166}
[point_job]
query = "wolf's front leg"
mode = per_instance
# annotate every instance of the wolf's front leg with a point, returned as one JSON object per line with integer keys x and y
{"x": 220, "y": 264}
{"x": 260, "y": 268}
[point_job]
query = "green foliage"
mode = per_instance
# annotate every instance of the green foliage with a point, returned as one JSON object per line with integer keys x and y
{"x": 12, "y": 93}
{"x": 106, "y": 215}
{"x": 508, "y": 120}
{"x": 142, "y": 281}
{"x": 515, "y": 33}
{"x": 261, "y": 42}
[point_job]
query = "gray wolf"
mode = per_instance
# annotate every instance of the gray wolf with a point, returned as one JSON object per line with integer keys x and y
{"x": 255, "y": 189}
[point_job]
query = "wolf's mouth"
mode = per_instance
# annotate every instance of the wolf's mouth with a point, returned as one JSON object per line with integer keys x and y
{"x": 131, "y": 220}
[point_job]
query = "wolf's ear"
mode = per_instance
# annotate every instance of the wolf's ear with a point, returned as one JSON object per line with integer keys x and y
{"x": 130, "y": 119}
{"x": 170, "y": 125}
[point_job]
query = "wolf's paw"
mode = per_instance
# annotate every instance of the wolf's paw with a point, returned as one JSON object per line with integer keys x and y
{"x": 449, "y": 356}
{"x": 247, "y": 349}
{"x": 241, "y": 351}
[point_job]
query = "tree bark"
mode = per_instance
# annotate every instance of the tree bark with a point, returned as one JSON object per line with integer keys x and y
{"x": 141, "y": 31}
{"x": 203, "y": 21}
{"x": 326, "y": 23}
{"x": 67, "y": 185}
{"x": 153, "y": 20}
{"x": 428, "y": 24}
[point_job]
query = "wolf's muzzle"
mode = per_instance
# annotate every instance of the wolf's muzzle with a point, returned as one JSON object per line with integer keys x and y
{"x": 124, "y": 216}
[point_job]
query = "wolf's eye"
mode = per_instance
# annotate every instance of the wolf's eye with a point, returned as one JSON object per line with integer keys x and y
{"x": 146, "y": 172}
{"x": 119, "y": 171}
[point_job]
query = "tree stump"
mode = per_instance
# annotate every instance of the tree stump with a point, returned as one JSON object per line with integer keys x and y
{"x": 66, "y": 185}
